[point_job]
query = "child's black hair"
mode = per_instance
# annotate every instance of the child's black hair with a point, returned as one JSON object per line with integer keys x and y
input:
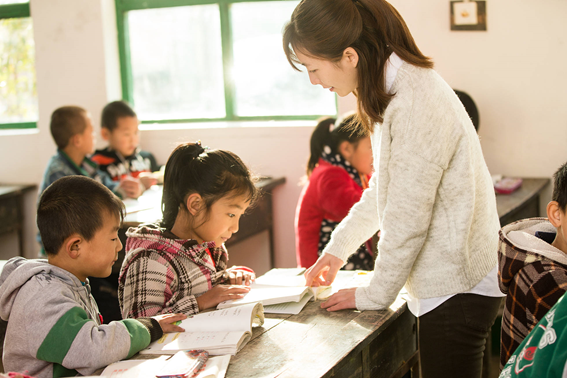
{"x": 74, "y": 205}
{"x": 66, "y": 122}
{"x": 211, "y": 173}
{"x": 113, "y": 111}
{"x": 560, "y": 187}
{"x": 328, "y": 134}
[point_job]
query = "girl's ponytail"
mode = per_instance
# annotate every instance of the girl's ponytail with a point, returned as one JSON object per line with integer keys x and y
{"x": 332, "y": 132}
{"x": 179, "y": 163}
{"x": 210, "y": 173}
{"x": 320, "y": 138}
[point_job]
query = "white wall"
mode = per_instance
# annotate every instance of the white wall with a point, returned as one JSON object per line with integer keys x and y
{"x": 512, "y": 71}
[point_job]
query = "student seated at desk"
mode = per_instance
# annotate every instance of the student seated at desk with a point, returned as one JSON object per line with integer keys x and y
{"x": 180, "y": 264}
{"x": 54, "y": 327}
{"x": 338, "y": 169}
{"x": 543, "y": 353}
{"x": 72, "y": 130}
{"x": 123, "y": 158}
{"x": 533, "y": 268}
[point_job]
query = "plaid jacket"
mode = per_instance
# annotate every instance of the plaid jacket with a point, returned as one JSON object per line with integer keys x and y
{"x": 533, "y": 274}
{"x": 161, "y": 274}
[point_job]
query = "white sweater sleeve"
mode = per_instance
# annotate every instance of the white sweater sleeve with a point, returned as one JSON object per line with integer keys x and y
{"x": 410, "y": 198}
{"x": 358, "y": 226}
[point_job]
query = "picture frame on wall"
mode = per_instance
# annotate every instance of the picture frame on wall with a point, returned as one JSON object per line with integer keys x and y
{"x": 468, "y": 15}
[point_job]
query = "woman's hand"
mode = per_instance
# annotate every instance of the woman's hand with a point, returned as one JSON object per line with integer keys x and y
{"x": 324, "y": 271}
{"x": 221, "y": 293}
{"x": 238, "y": 276}
{"x": 167, "y": 322}
{"x": 341, "y": 300}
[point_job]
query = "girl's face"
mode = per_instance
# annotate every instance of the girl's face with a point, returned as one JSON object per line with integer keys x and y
{"x": 361, "y": 156}
{"x": 221, "y": 221}
{"x": 341, "y": 77}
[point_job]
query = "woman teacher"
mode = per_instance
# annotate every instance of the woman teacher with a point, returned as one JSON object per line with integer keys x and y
{"x": 431, "y": 194}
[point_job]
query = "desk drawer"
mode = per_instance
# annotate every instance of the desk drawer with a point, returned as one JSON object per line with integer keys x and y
{"x": 9, "y": 219}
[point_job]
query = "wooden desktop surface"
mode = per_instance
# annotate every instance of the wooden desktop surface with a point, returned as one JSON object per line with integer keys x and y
{"x": 318, "y": 343}
{"x": 523, "y": 203}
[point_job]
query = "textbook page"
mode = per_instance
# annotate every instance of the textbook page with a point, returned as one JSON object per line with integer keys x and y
{"x": 292, "y": 308}
{"x": 216, "y": 343}
{"x": 268, "y": 295}
{"x": 239, "y": 318}
{"x": 215, "y": 367}
{"x": 135, "y": 368}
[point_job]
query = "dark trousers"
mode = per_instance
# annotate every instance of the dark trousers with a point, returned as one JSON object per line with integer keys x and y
{"x": 452, "y": 337}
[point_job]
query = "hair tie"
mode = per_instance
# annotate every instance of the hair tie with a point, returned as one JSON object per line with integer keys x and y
{"x": 331, "y": 127}
{"x": 200, "y": 150}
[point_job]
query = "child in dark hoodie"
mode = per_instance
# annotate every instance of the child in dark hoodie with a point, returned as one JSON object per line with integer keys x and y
{"x": 54, "y": 326}
{"x": 533, "y": 268}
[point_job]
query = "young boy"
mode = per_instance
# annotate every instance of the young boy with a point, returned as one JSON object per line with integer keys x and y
{"x": 533, "y": 268}
{"x": 72, "y": 131}
{"x": 543, "y": 353}
{"x": 123, "y": 158}
{"x": 54, "y": 327}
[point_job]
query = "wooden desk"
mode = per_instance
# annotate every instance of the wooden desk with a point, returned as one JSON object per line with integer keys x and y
{"x": 523, "y": 203}
{"x": 11, "y": 210}
{"x": 257, "y": 219}
{"x": 317, "y": 343}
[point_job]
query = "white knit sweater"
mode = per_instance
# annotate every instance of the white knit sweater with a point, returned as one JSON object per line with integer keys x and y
{"x": 431, "y": 196}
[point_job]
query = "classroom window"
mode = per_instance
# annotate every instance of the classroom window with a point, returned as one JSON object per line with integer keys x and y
{"x": 201, "y": 60}
{"x": 18, "y": 108}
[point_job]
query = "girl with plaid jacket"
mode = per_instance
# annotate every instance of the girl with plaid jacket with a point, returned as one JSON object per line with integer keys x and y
{"x": 179, "y": 266}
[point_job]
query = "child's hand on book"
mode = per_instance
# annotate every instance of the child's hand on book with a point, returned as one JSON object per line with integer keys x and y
{"x": 240, "y": 276}
{"x": 168, "y": 322}
{"x": 221, "y": 293}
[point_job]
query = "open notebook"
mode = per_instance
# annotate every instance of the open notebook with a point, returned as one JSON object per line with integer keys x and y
{"x": 214, "y": 367}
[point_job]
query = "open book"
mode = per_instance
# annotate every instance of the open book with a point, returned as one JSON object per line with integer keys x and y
{"x": 214, "y": 367}
{"x": 218, "y": 332}
{"x": 268, "y": 295}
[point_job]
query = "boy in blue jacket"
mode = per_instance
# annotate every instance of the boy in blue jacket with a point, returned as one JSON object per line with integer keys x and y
{"x": 54, "y": 326}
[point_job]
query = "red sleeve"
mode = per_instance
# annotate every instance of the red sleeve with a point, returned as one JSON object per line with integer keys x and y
{"x": 339, "y": 192}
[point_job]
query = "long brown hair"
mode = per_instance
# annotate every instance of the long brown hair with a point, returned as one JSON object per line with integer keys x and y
{"x": 373, "y": 28}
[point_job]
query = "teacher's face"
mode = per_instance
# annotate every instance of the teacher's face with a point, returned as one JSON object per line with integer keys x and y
{"x": 340, "y": 77}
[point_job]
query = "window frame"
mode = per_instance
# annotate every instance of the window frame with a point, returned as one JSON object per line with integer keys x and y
{"x": 18, "y": 10}
{"x": 124, "y": 6}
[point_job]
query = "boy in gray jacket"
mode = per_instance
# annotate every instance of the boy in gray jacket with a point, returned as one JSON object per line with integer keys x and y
{"x": 54, "y": 326}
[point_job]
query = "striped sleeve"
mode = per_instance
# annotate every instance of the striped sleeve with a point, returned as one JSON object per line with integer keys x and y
{"x": 76, "y": 342}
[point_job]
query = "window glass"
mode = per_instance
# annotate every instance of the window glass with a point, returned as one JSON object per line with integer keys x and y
{"x": 265, "y": 83}
{"x": 17, "y": 76}
{"x": 4, "y": 2}
{"x": 176, "y": 60}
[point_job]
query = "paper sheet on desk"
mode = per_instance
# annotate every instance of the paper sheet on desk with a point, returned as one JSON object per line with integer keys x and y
{"x": 215, "y": 367}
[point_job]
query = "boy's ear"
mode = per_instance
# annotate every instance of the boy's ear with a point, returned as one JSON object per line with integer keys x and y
{"x": 554, "y": 213}
{"x": 346, "y": 149}
{"x": 105, "y": 133}
{"x": 194, "y": 203}
{"x": 75, "y": 140}
{"x": 73, "y": 246}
